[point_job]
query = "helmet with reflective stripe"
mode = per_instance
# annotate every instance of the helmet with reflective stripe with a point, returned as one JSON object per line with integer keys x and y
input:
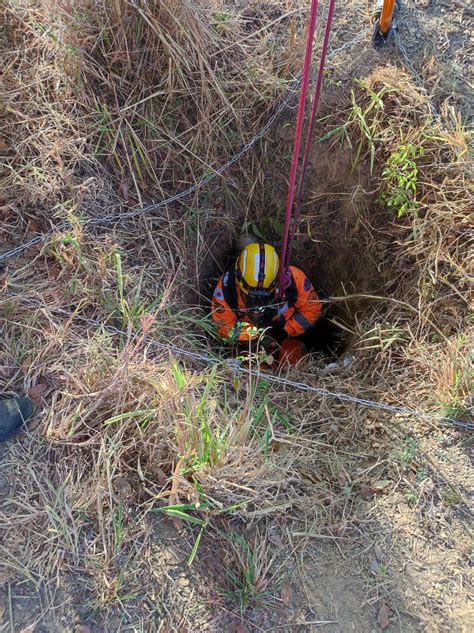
{"x": 256, "y": 271}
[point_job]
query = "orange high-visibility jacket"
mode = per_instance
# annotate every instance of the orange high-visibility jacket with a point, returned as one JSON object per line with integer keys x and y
{"x": 301, "y": 308}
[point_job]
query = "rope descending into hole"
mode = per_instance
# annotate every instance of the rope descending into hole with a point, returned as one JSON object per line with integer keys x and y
{"x": 293, "y": 208}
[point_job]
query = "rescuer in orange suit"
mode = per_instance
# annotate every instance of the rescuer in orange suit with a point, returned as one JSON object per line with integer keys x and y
{"x": 245, "y": 306}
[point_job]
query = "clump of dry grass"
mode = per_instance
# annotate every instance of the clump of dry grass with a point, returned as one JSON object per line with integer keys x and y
{"x": 107, "y": 106}
{"x": 126, "y": 433}
{"x": 112, "y": 105}
{"x": 126, "y": 430}
{"x": 423, "y": 162}
{"x": 159, "y": 95}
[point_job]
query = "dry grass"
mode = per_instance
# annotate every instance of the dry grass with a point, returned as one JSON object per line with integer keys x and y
{"x": 117, "y": 104}
{"x": 428, "y": 250}
{"x": 111, "y": 103}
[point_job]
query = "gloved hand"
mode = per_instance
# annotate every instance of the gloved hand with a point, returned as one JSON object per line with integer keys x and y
{"x": 276, "y": 333}
{"x": 278, "y": 321}
{"x": 262, "y": 318}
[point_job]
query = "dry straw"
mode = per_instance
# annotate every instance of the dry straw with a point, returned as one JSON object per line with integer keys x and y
{"x": 134, "y": 103}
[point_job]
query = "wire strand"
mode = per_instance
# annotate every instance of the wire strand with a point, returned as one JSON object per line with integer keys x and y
{"x": 38, "y": 239}
{"x": 237, "y": 366}
{"x": 62, "y": 226}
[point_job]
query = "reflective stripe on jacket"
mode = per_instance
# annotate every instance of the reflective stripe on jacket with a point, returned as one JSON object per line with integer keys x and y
{"x": 236, "y": 325}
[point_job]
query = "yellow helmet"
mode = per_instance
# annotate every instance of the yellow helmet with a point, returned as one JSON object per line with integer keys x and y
{"x": 256, "y": 271}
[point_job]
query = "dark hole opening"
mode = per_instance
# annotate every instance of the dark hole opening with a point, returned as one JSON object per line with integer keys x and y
{"x": 326, "y": 339}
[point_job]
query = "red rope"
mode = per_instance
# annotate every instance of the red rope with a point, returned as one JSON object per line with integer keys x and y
{"x": 309, "y": 137}
{"x": 290, "y": 217}
{"x": 283, "y": 277}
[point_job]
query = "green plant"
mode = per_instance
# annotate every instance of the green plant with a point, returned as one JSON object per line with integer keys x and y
{"x": 400, "y": 177}
{"x": 268, "y": 227}
{"x": 120, "y": 286}
{"x": 451, "y": 496}
{"x": 383, "y": 337}
{"x": 119, "y": 525}
{"x": 421, "y": 474}
{"x": 47, "y": 31}
{"x": 367, "y": 126}
{"x": 66, "y": 249}
{"x": 128, "y": 301}
{"x": 105, "y": 132}
{"x": 223, "y": 22}
{"x": 187, "y": 320}
{"x": 201, "y": 435}
{"x": 181, "y": 511}
{"x": 408, "y": 452}
{"x": 365, "y": 120}
{"x": 247, "y": 585}
{"x": 411, "y": 497}
{"x": 266, "y": 415}
{"x": 456, "y": 380}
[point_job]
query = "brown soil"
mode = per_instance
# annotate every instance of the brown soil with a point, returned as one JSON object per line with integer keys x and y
{"x": 401, "y": 565}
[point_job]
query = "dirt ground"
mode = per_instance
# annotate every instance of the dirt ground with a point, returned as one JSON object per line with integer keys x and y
{"x": 384, "y": 561}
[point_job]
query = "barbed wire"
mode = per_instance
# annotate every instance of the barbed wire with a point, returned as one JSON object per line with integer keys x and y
{"x": 66, "y": 225}
{"x": 237, "y": 366}
{"x": 163, "y": 203}
{"x": 216, "y": 360}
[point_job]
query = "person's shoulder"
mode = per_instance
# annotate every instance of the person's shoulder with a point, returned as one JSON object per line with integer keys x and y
{"x": 301, "y": 278}
{"x": 297, "y": 272}
{"x": 224, "y": 285}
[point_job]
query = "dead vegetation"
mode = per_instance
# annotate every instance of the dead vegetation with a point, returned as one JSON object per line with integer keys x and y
{"x": 113, "y": 105}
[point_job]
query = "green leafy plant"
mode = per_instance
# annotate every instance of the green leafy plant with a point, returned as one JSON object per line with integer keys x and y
{"x": 408, "y": 452}
{"x": 223, "y": 22}
{"x": 401, "y": 177}
{"x": 411, "y": 497}
{"x": 203, "y": 438}
{"x": 268, "y": 226}
{"x": 421, "y": 474}
{"x": 451, "y": 496}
